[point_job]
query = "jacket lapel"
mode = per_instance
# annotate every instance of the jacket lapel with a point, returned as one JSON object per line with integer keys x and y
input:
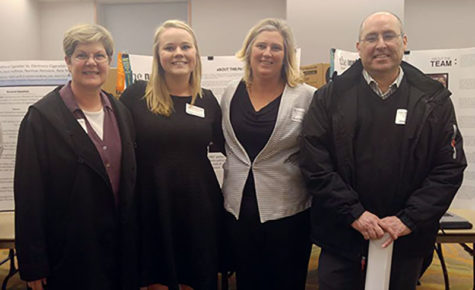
{"x": 233, "y": 141}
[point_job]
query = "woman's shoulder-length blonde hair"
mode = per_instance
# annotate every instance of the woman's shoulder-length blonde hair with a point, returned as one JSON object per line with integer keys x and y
{"x": 157, "y": 95}
{"x": 290, "y": 71}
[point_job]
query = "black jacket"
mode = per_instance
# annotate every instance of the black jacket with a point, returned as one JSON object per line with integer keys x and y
{"x": 432, "y": 163}
{"x": 67, "y": 226}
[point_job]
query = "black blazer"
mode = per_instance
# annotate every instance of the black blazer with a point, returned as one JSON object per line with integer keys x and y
{"x": 68, "y": 228}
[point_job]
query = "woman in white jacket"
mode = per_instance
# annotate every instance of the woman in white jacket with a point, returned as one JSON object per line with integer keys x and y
{"x": 268, "y": 221}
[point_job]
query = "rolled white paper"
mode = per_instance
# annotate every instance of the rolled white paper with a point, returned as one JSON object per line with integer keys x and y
{"x": 378, "y": 271}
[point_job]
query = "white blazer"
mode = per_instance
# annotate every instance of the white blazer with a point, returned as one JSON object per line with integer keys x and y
{"x": 280, "y": 189}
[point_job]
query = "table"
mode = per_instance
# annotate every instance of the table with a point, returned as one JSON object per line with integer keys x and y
{"x": 462, "y": 237}
{"x": 7, "y": 241}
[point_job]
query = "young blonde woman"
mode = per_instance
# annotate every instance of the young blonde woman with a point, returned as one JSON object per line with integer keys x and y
{"x": 180, "y": 199}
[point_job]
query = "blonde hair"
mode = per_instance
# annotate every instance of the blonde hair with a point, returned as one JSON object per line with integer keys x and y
{"x": 157, "y": 95}
{"x": 86, "y": 33}
{"x": 290, "y": 71}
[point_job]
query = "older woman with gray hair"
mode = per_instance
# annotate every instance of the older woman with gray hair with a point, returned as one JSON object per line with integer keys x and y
{"x": 75, "y": 217}
{"x": 263, "y": 190}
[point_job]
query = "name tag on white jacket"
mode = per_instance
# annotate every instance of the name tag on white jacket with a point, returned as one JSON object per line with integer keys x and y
{"x": 297, "y": 114}
{"x": 195, "y": 111}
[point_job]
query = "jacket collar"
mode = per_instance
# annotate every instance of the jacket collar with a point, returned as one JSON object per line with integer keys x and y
{"x": 426, "y": 86}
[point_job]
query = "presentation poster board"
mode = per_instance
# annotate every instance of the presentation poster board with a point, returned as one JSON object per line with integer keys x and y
{"x": 21, "y": 84}
{"x": 455, "y": 68}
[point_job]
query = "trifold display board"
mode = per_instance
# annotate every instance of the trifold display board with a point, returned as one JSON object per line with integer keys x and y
{"x": 455, "y": 68}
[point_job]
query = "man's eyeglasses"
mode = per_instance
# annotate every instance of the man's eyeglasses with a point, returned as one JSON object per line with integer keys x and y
{"x": 387, "y": 37}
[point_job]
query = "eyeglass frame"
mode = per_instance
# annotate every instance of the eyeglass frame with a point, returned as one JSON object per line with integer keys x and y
{"x": 387, "y": 37}
{"x": 81, "y": 57}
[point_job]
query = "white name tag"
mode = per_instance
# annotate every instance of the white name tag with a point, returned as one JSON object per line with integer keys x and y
{"x": 82, "y": 122}
{"x": 195, "y": 111}
{"x": 401, "y": 116}
{"x": 297, "y": 114}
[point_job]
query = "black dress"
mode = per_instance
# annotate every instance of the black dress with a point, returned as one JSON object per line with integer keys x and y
{"x": 180, "y": 200}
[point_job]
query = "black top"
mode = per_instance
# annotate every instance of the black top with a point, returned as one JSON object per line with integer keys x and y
{"x": 253, "y": 130}
{"x": 378, "y": 138}
{"x": 180, "y": 200}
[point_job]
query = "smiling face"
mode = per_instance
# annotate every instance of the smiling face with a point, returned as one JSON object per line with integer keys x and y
{"x": 177, "y": 52}
{"x": 382, "y": 45}
{"x": 89, "y": 65}
{"x": 267, "y": 55}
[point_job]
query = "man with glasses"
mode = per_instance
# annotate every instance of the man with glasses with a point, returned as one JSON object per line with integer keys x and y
{"x": 381, "y": 153}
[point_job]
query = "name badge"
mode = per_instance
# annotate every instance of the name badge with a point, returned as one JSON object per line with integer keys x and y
{"x": 82, "y": 122}
{"x": 195, "y": 111}
{"x": 297, "y": 114}
{"x": 401, "y": 117}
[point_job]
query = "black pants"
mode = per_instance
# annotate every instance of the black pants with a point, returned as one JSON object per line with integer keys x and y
{"x": 271, "y": 255}
{"x": 338, "y": 273}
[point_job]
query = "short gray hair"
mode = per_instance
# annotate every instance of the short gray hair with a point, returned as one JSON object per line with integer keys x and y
{"x": 86, "y": 33}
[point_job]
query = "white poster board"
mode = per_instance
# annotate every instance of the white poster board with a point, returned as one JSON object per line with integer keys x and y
{"x": 455, "y": 68}
{"x": 21, "y": 84}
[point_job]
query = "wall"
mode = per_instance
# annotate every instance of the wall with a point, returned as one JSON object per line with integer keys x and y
{"x": 221, "y": 26}
{"x": 35, "y": 30}
{"x": 321, "y": 25}
{"x": 446, "y": 24}
{"x": 138, "y": 22}
{"x": 19, "y": 22}
{"x": 55, "y": 19}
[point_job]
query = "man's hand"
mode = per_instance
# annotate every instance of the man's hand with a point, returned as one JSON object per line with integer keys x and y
{"x": 37, "y": 284}
{"x": 395, "y": 227}
{"x": 368, "y": 225}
